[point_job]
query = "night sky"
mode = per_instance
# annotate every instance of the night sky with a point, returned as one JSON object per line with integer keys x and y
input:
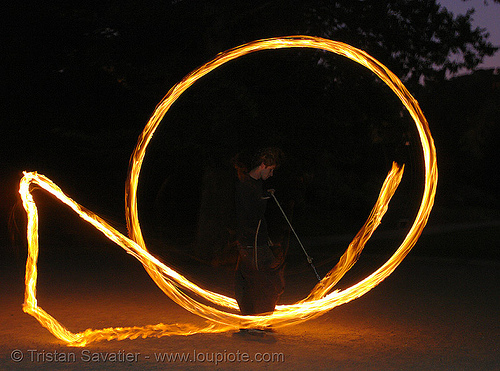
{"x": 80, "y": 83}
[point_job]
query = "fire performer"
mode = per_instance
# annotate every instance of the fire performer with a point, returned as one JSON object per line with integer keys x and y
{"x": 259, "y": 278}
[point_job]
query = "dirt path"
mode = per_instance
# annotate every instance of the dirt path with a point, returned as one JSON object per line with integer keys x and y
{"x": 428, "y": 314}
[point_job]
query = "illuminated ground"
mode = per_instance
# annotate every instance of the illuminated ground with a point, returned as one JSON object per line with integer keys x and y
{"x": 430, "y": 313}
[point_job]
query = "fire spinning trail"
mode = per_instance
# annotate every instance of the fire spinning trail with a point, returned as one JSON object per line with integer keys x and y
{"x": 223, "y": 315}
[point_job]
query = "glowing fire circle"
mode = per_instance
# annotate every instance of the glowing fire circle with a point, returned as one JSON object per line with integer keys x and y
{"x": 223, "y": 315}
{"x": 317, "y": 302}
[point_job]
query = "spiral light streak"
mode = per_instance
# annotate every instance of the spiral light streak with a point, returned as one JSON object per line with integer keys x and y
{"x": 177, "y": 287}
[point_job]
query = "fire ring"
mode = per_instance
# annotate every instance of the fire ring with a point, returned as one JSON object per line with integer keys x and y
{"x": 223, "y": 315}
{"x": 320, "y": 300}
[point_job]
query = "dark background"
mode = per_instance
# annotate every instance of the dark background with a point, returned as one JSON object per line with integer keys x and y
{"x": 80, "y": 80}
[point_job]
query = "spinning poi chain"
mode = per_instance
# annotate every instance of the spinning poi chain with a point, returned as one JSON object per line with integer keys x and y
{"x": 322, "y": 297}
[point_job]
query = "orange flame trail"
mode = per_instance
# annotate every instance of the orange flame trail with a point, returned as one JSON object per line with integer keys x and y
{"x": 177, "y": 287}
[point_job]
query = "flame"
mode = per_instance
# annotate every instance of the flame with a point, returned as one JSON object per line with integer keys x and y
{"x": 225, "y": 315}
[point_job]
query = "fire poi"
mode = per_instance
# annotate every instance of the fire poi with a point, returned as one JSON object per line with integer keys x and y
{"x": 322, "y": 298}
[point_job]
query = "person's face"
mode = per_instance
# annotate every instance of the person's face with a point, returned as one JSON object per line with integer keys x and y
{"x": 267, "y": 172}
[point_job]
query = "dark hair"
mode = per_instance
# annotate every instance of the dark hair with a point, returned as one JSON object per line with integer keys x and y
{"x": 270, "y": 156}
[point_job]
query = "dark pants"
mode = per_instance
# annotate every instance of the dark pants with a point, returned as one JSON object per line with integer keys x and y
{"x": 259, "y": 279}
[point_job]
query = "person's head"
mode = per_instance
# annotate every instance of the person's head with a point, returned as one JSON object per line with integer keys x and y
{"x": 270, "y": 156}
{"x": 265, "y": 162}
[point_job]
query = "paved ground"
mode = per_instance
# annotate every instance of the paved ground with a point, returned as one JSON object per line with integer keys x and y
{"x": 439, "y": 314}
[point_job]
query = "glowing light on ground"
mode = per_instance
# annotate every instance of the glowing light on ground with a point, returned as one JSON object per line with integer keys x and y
{"x": 224, "y": 315}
